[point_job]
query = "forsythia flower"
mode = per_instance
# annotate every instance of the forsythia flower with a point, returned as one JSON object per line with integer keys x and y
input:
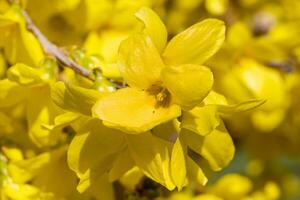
{"x": 200, "y": 132}
{"x": 162, "y": 78}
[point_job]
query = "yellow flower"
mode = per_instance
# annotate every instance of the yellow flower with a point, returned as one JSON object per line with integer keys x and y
{"x": 98, "y": 152}
{"x": 162, "y": 78}
{"x": 18, "y": 43}
{"x": 250, "y": 80}
{"x": 31, "y": 88}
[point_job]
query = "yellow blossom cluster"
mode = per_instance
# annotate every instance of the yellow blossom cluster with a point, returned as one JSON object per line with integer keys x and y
{"x": 149, "y": 99}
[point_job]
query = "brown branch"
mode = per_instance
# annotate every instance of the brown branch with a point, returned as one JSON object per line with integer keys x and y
{"x": 52, "y": 49}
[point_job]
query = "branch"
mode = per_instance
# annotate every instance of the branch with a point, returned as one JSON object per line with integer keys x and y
{"x": 52, "y": 49}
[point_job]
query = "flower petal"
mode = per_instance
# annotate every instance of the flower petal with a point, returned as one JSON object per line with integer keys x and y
{"x": 152, "y": 155}
{"x": 122, "y": 164}
{"x": 24, "y": 75}
{"x": 195, "y": 173}
{"x": 94, "y": 148}
{"x": 178, "y": 164}
{"x": 133, "y": 110}
{"x": 196, "y": 44}
{"x": 154, "y": 27}
{"x": 40, "y": 111}
{"x": 201, "y": 120}
{"x": 140, "y": 64}
{"x": 240, "y": 107}
{"x": 74, "y": 98}
{"x": 11, "y": 93}
{"x": 217, "y": 147}
{"x": 188, "y": 84}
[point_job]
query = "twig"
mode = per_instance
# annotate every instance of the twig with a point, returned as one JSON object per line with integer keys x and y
{"x": 52, "y": 49}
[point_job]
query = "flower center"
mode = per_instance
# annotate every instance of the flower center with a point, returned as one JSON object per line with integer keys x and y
{"x": 162, "y": 95}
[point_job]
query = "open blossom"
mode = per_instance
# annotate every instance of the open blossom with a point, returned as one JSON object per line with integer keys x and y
{"x": 163, "y": 78}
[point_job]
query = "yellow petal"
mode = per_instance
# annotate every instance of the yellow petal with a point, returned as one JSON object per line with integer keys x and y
{"x": 11, "y": 93}
{"x": 195, "y": 173}
{"x": 19, "y": 44}
{"x": 40, "y": 110}
{"x": 62, "y": 120}
{"x": 12, "y": 153}
{"x": 188, "y": 84}
{"x": 154, "y": 27}
{"x": 152, "y": 156}
{"x": 24, "y": 170}
{"x": 196, "y": 44}
{"x": 122, "y": 164}
{"x": 217, "y": 147}
{"x": 240, "y": 107}
{"x": 167, "y": 131}
{"x": 139, "y": 61}
{"x": 207, "y": 197}
{"x": 133, "y": 110}
{"x": 24, "y": 75}
{"x": 101, "y": 188}
{"x": 214, "y": 98}
{"x": 240, "y": 186}
{"x": 268, "y": 121}
{"x": 216, "y": 7}
{"x": 178, "y": 164}
{"x": 74, "y": 98}
{"x": 94, "y": 148}
{"x": 25, "y": 192}
{"x": 201, "y": 120}
{"x": 54, "y": 170}
{"x": 132, "y": 178}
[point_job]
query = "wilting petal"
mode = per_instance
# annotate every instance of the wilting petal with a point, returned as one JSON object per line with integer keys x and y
{"x": 140, "y": 63}
{"x": 196, "y": 44}
{"x": 188, "y": 84}
{"x": 133, "y": 110}
{"x": 154, "y": 27}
